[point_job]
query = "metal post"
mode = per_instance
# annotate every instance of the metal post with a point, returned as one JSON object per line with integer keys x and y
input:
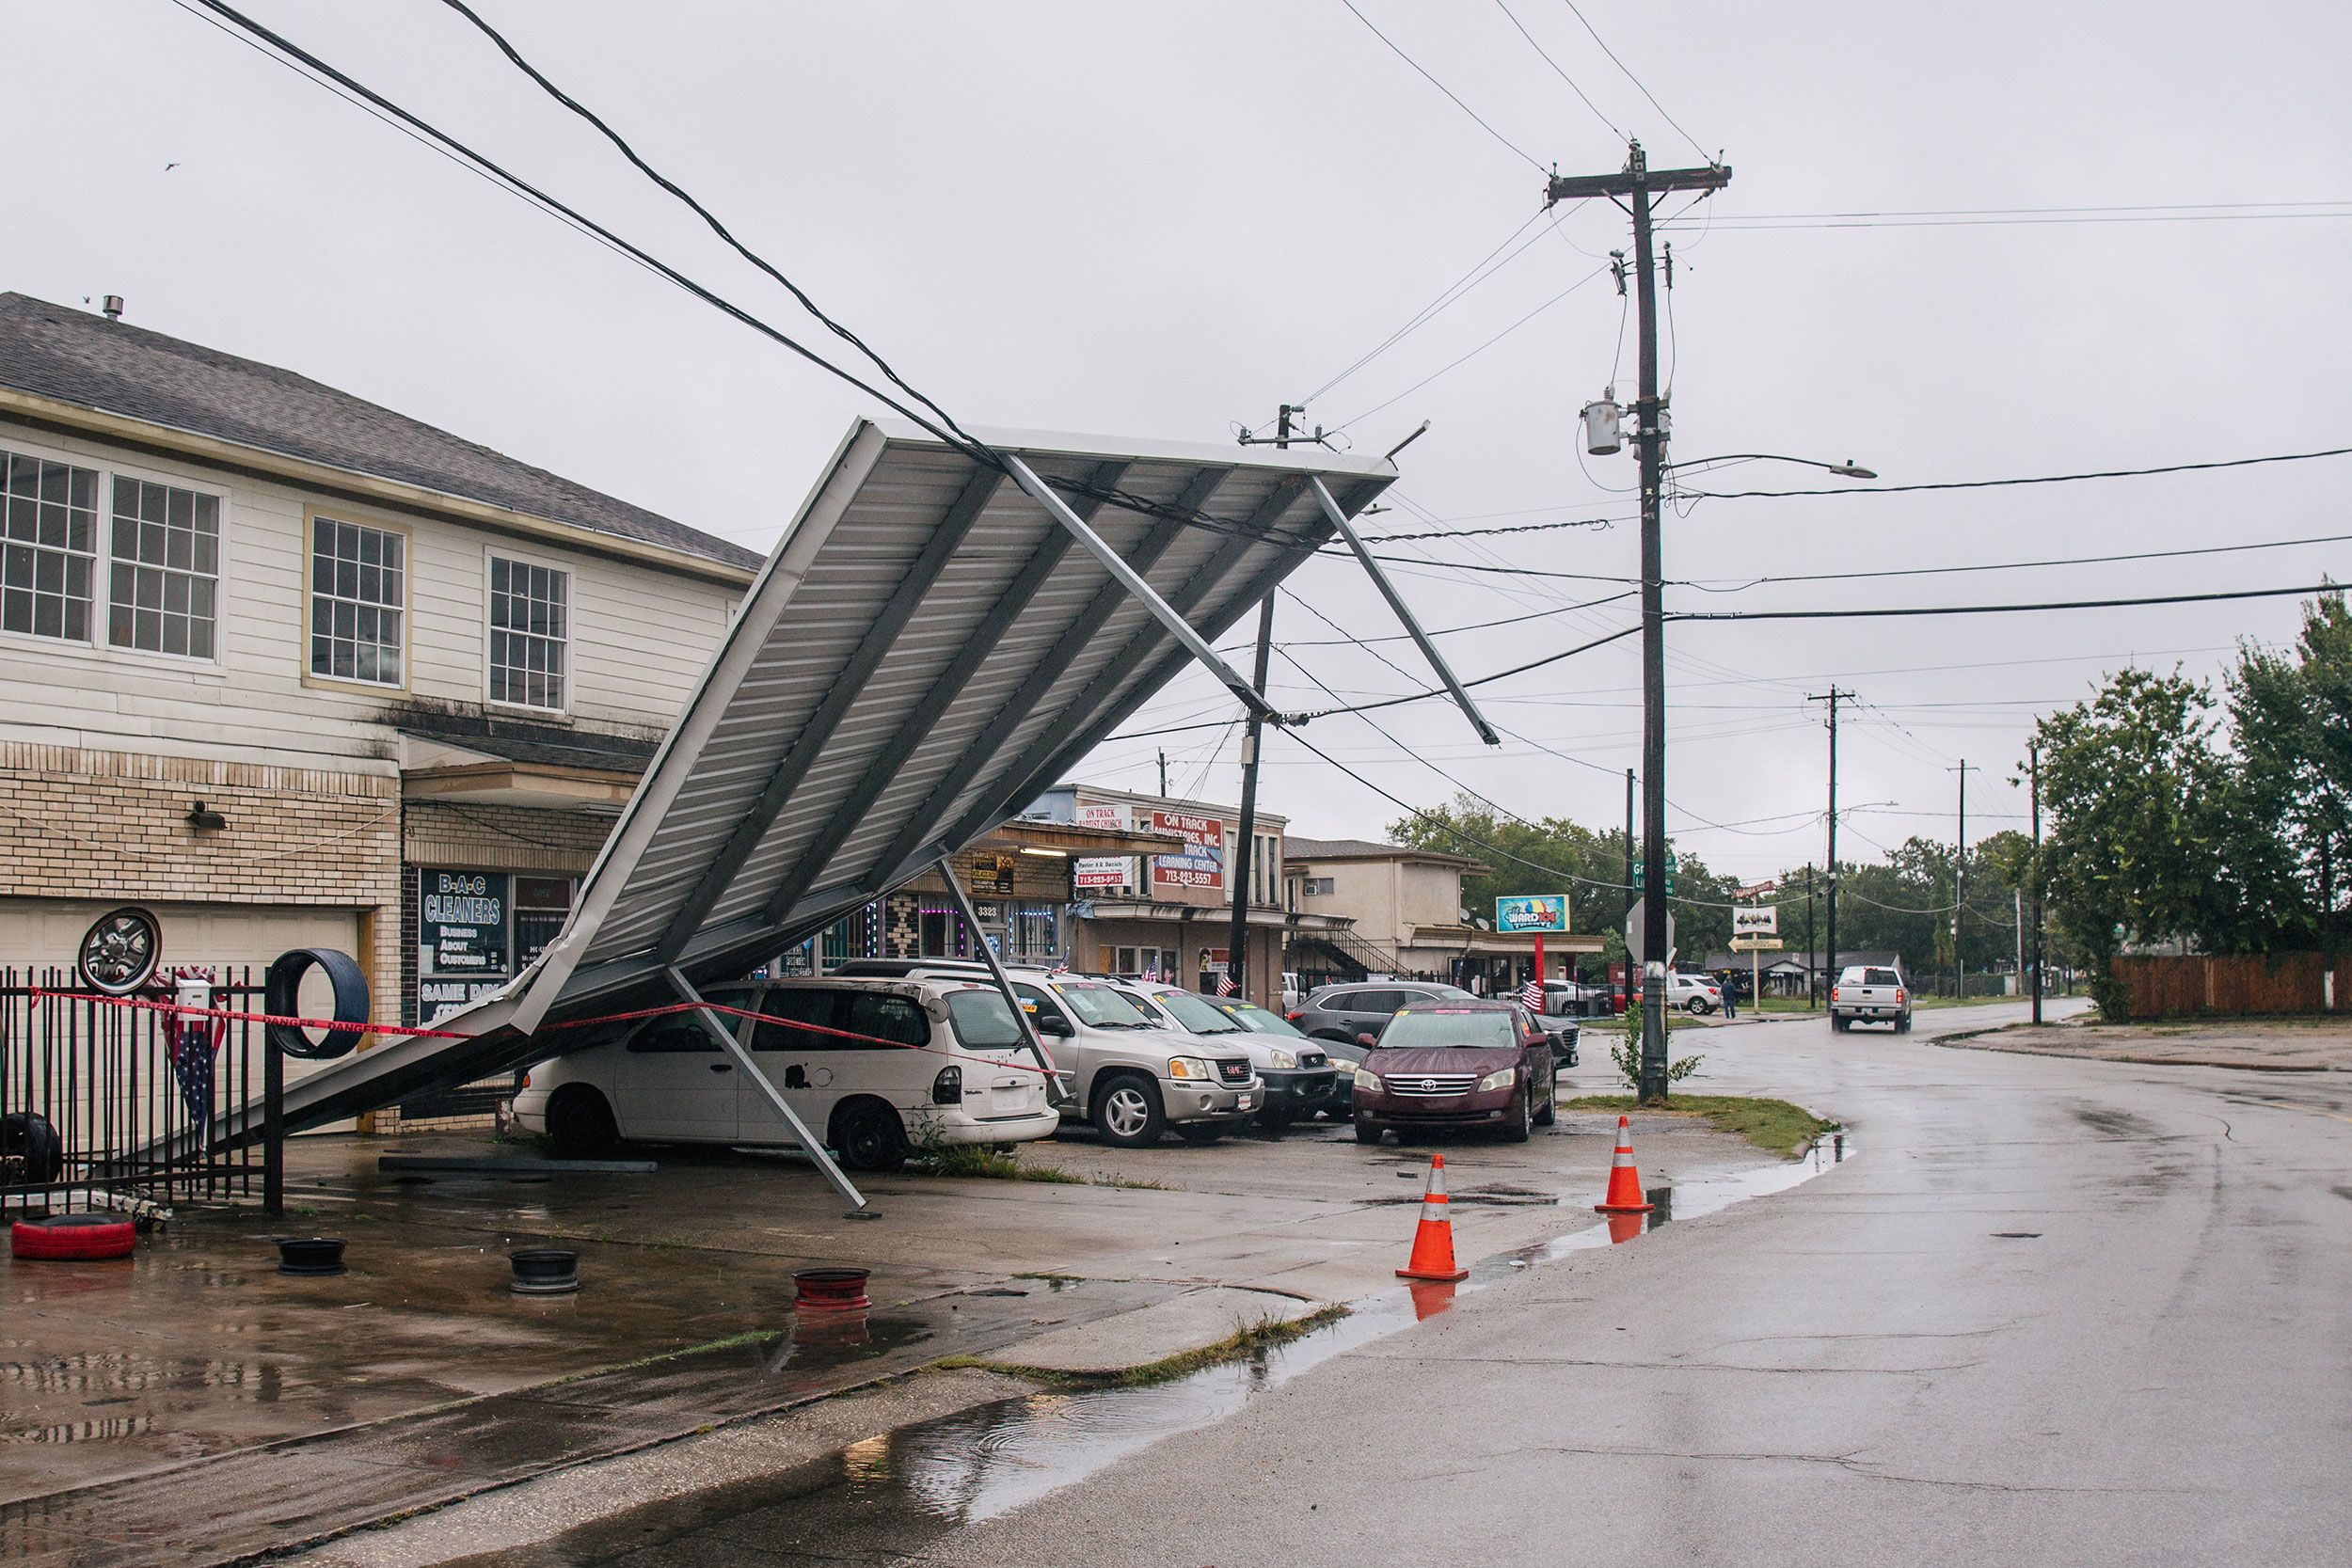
{"x": 1651, "y": 437}
{"x": 1245, "y": 853}
{"x": 724, "y": 1038}
{"x": 2033, "y": 773}
{"x": 1396, "y": 603}
{"x": 1054, "y": 1093}
{"x": 273, "y": 1129}
{"x": 1960, "y": 891}
{"x": 1829, "y": 892}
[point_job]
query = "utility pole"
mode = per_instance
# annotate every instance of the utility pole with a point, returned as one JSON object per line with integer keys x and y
{"x": 1236, "y": 964}
{"x": 1812, "y": 998}
{"x": 1628, "y": 848}
{"x": 1632, "y": 187}
{"x": 2033, "y": 775}
{"x": 1162, "y": 774}
{"x": 1960, "y": 885}
{"x": 1829, "y": 968}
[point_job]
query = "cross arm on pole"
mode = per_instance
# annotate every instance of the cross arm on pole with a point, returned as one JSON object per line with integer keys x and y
{"x": 1572, "y": 187}
{"x": 1396, "y": 603}
{"x": 1132, "y": 581}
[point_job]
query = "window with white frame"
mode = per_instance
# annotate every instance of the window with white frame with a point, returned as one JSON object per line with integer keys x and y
{"x": 358, "y": 595}
{"x": 530, "y": 633}
{"x": 165, "y": 564}
{"x": 48, "y": 547}
{"x": 1265, "y": 868}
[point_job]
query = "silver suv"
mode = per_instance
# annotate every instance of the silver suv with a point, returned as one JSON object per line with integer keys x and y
{"x": 1129, "y": 1079}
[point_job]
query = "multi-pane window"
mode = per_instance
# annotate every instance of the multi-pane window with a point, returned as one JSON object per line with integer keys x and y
{"x": 166, "y": 568}
{"x": 530, "y": 632}
{"x": 359, "y": 591}
{"x": 48, "y": 547}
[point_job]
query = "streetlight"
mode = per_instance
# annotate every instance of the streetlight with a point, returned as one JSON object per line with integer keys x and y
{"x": 1848, "y": 469}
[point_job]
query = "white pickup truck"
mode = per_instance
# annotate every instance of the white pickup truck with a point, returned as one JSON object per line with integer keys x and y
{"x": 1867, "y": 993}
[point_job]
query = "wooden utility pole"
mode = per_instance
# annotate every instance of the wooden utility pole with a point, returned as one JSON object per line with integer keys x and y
{"x": 2033, "y": 776}
{"x": 1633, "y": 188}
{"x": 1960, "y": 885}
{"x": 1829, "y": 968}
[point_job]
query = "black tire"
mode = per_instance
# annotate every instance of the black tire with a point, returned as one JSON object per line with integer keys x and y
{"x": 1902, "y": 1024}
{"x": 1126, "y": 1112}
{"x": 580, "y": 1124}
{"x": 1199, "y": 1136}
{"x": 30, "y": 1145}
{"x": 1367, "y": 1134}
{"x": 869, "y": 1136}
{"x": 1516, "y": 1120}
{"x": 281, "y": 995}
{"x": 1838, "y": 1025}
{"x": 1550, "y": 1112}
{"x": 1700, "y": 1007}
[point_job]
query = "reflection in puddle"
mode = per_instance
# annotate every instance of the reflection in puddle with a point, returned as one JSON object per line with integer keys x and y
{"x": 899, "y": 1492}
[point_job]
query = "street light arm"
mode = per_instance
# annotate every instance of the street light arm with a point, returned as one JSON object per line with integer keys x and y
{"x": 1848, "y": 469}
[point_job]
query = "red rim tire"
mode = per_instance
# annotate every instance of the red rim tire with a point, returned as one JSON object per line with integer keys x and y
{"x": 80, "y": 1237}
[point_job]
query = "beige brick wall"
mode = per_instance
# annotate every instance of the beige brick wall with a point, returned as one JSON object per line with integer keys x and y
{"x": 76, "y": 823}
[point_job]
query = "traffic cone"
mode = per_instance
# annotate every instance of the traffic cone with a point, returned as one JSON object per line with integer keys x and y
{"x": 1433, "y": 1239}
{"x": 1625, "y": 1182}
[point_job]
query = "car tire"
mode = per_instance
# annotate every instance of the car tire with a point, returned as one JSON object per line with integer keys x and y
{"x": 1199, "y": 1136}
{"x": 1365, "y": 1134}
{"x": 29, "y": 1141}
{"x": 1126, "y": 1112}
{"x": 1902, "y": 1024}
{"x": 870, "y": 1137}
{"x": 1516, "y": 1120}
{"x": 580, "y": 1124}
{"x": 1837, "y": 1025}
{"x": 1700, "y": 1007}
{"x": 1550, "y": 1112}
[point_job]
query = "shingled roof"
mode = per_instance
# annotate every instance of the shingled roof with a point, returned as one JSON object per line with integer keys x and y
{"x": 74, "y": 356}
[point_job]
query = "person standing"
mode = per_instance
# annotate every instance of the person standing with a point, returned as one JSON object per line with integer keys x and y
{"x": 1731, "y": 996}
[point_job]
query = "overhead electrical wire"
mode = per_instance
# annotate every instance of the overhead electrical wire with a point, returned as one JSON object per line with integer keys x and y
{"x": 1997, "y": 217}
{"x": 2035, "y": 479}
{"x": 1637, "y": 82}
{"x": 1473, "y": 354}
{"x": 1558, "y": 70}
{"x": 1712, "y": 585}
{"x": 1408, "y": 60}
{"x": 1899, "y": 610}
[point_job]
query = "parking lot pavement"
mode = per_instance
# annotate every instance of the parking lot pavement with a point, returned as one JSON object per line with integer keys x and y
{"x": 2252, "y": 1044}
{"x": 200, "y": 1370}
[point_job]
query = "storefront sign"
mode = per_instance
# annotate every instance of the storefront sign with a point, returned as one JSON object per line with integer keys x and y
{"x": 1103, "y": 871}
{"x": 461, "y": 923}
{"x": 1109, "y": 815}
{"x": 991, "y": 874}
{"x": 1761, "y": 921}
{"x": 1542, "y": 912}
{"x": 1203, "y": 864}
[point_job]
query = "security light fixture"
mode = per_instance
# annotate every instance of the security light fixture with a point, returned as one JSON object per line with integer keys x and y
{"x": 203, "y": 815}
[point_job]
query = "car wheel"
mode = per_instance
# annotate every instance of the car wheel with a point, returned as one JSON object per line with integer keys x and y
{"x": 1199, "y": 1137}
{"x": 580, "y": 1124}
{"x": 1836, "y": 1025}
{"x": 1550, "y": 1112}
{"x": 1367, "y": 1134}
{"x": 1701, "y": 1006}
{"x": 1127, "y": 1112}
{"x": 1902, "y": 1024}
{"x": 1516, "y": 1120}
{"x": 870, "y": 1137}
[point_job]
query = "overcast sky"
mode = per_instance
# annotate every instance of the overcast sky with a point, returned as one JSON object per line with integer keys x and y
{"x": 1158, "y": 219}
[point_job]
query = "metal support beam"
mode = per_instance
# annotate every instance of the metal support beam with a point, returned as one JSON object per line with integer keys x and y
{"x": 810, "y": 743}
{"x": 1132, "y": 581}
{"x": 1056, "y": 1093}
{"x": 1396, "y": 603}
{"x": 724, "y": 1038}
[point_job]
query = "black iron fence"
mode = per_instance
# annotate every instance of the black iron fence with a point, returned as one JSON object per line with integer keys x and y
{"x": 97, "y": 1097}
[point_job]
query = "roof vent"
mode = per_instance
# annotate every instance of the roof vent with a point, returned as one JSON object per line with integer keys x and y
{"x": 114, "y": 307}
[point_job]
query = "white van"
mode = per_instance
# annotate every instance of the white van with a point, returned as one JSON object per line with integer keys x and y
{"x": 874, "y": 1067}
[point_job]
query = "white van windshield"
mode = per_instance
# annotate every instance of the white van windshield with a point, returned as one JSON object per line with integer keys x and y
{"x": 1102, "y": 1006}
{"x": 1198, "y": 1015}
{"x": 982, "y": 1021}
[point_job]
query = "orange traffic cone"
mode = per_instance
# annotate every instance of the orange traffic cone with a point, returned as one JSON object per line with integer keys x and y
{"x": 1433, "y": 1240}
{"x": 1625, "y": 1182}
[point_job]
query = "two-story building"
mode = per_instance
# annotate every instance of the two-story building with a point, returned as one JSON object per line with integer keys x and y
{"x": 1408, "y": 918}
{"x": 286, "y": 669}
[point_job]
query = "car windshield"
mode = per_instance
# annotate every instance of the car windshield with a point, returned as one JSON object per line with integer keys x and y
{"x": 982, "y": 1020}
{"x": 1103, "y": 1007}
{"x": 1467, "y": 1029}
{"x": 1881, "y": 977}
{"x": 1258, "y": 1021}
{"x": 1199, "y": 1015}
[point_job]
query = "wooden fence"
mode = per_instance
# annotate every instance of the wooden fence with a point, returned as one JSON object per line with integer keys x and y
{"x": 2238, "y": 986}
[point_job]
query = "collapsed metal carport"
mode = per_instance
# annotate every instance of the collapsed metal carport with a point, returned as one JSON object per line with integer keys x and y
{"x": 938, "y": 635}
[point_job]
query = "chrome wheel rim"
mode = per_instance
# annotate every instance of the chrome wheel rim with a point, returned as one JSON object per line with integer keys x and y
{"x": 1125, "y": 1113}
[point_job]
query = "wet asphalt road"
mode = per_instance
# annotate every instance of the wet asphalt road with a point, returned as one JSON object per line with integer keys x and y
{"x": 2051, "y": 1311}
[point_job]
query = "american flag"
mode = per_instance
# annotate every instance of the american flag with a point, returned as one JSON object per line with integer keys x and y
{"x": 193, "y": 1043}
{"x": 1224, "y": 984}
{"x": 1532, "y": 996}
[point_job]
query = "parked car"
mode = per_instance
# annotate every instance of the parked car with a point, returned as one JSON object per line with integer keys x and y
{"x": 954, "y": 1070}
{"x": 1130, "y": 1079}
{"x": 1870, "y": 993}
{"x": 1342, "y": 1057}
{"x": 1294, "y": 990}
{"x": 1457, "y": 1063}
{"x": 1559, "y": 1019}
{"x": 1694, "y": 993}
{"x": 1343, "y": 1012}
{"x": 1298, "y": 1075}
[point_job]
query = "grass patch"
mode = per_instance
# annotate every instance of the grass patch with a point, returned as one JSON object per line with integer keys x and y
{"x": 1786, "y": 1130}
{"x": 1239, "y": 1345}
{"x": 980, "y": 1161}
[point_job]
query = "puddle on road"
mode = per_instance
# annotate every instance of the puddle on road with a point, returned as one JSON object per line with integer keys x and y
{"x": 898, "y": 1493}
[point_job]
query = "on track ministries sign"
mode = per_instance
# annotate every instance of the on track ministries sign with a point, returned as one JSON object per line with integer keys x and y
{"x": 1203, "y": 864}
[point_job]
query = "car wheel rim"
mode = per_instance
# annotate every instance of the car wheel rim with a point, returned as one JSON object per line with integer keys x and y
{"x": 1125, "y": 1112}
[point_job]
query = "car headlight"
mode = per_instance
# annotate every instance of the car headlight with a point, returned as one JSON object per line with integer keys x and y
{"x": 1502, "y": 1078}
{"x": 1283, "y": 1059}
{"x": 1188, "y": 1066}
{"x": 1367, "y": 1079}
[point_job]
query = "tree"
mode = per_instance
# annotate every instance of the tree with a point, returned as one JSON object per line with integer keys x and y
{"x": 2293, "y": 714}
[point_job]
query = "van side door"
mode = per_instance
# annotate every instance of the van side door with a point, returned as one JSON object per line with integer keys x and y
{"x": 674, "y": 1082}
{"x": 799, "y": 1061}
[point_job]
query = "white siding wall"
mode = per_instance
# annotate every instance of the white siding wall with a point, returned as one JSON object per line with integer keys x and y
{"x": 640, "y": 637}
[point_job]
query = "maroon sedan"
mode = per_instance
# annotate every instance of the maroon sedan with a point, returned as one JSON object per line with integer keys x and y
{"x": 1457, "y": 1064}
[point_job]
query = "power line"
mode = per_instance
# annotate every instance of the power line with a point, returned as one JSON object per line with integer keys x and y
{"x": 1740, "y": 585}
{"x": 1442, "y": 87}
{"x": 1637, "y": 81}
{"x": 1583, "y": 96}
{"x": 2037, "y": 479}
{"x": 1999, "y": 609}
{"x": 1474, "y": 352}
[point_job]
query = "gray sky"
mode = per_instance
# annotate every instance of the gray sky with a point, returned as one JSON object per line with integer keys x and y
{"x": 1160, "y": 218}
